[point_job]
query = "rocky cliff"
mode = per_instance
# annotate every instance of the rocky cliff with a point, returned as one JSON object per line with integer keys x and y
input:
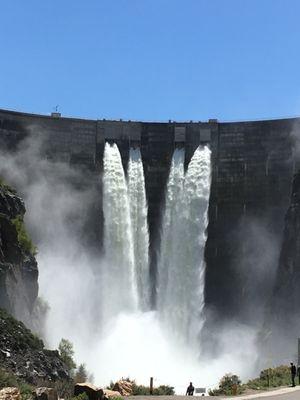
{"x": 23, "y": 354}
{"x": 18, "y": 266}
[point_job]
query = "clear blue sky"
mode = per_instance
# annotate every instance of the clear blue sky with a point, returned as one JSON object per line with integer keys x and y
{"x": 151, "y": 59}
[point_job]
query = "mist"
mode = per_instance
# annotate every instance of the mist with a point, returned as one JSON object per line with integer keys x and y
{"x": 113, "y": 344}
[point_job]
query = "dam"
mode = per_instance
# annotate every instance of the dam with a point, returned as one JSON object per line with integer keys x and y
{"x": 172, "y": 241}
{"x": 252, "y": 168}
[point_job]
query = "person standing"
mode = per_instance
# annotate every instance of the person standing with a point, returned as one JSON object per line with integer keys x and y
{"x": 190, "y": 390}
{"x": 293, "y": 373}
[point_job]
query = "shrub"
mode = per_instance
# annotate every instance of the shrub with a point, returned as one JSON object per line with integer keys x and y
{"x": 226, "y": 386}
{"x": 164, "y": 390}
{"x": 141, "y": 390}
{"x": 81, "y": 396}
{"x": 7, "y": 379}
{"x": 271, "y": 377}
{"x": 25, "y": 390}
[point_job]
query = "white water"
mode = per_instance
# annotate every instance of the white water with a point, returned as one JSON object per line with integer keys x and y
{"x": 119, "y": 285}
{"x": 181, "y": 267}
{"x": 139, "y": 225}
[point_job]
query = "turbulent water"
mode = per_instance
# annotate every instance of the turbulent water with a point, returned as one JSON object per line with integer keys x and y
{"x": 126, "y": 238}
{"x": 119, "y": 268}
{"x": 139, "y": 225}
{"x": 181, "y": 267}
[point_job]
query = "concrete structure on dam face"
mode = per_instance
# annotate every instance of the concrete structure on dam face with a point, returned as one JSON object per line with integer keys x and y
{"x": 252, "y": 168}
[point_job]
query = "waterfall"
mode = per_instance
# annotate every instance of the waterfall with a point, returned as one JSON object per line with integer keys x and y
{"x": 181, "y": 266}
{"x": 119, "y": 286}
{"x": 139, "y": 224}
{"x": 126, "y": 237}
{"x": 171, "y": 231}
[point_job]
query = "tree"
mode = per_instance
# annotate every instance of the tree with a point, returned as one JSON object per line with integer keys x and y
{"x": 81, "y": 374}
{"x": 66, "y": 352}
{"x": 228, "y": 384}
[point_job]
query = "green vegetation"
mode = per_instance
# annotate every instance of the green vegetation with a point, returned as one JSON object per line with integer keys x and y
{"x": 81, "y": 396}
{"x": 18, "y": 222}
{"x": 141, "y": 390}
{"x": 268, "y": 378}
{"x": 23, "y": 337}
{"x": 8, "y": 379}
{"x": 271, "y": 377}
{"x": 163, "y": 390}
{"x": 66, "y": 352}
{"x": 23, "y": 236}
{"x": 229, "y": 385}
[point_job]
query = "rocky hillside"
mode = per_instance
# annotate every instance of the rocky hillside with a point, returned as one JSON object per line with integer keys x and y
{"x": 18, "y": 266}
{"x": 24, "y": 355}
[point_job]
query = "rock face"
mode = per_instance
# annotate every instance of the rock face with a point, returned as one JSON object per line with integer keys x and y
{"x": 18, "y": 266}
{"x": 123, "y": 387}
{"x": 24, "y": 355}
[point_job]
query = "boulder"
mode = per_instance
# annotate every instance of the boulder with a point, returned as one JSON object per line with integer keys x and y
{"x": 10, "y": 393}
{"x": 45, "y": 393}
{"x": 123, "y": 387}
{"x": 111, "y": 393}
{"x": 93, "y": 392}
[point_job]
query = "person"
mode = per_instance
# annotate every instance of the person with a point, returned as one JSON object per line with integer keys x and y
{"x": 298, "y": 373}
{"x": 190, "y": 390}
{"x": 293, "y": 374}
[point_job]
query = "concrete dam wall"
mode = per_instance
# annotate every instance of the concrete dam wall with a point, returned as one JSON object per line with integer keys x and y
{"x": 253, "y": 164}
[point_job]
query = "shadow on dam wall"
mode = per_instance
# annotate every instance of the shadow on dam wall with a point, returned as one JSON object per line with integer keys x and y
{"x": 252, "y": 168}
